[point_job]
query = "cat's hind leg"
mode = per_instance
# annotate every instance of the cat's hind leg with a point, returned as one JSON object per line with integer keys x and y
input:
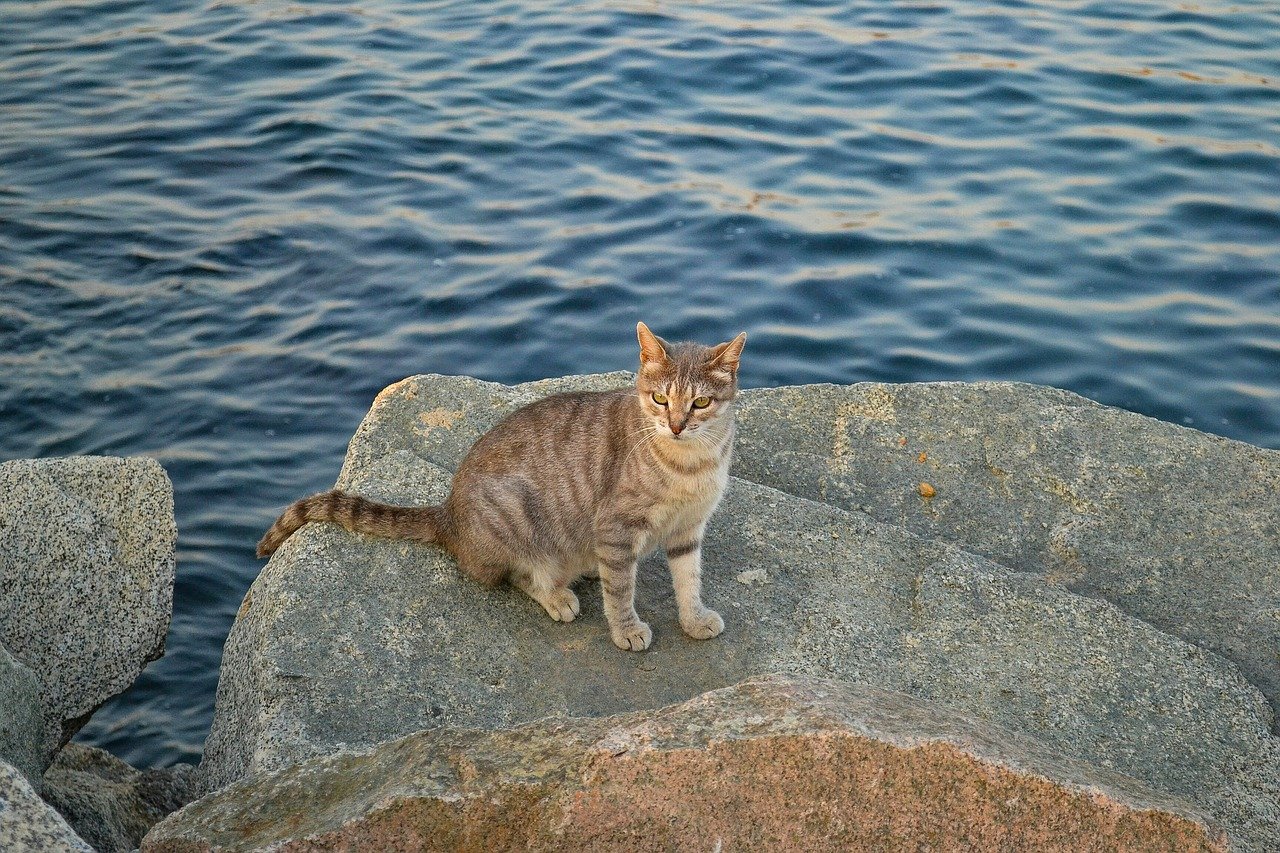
{"x": 550, "y": 588}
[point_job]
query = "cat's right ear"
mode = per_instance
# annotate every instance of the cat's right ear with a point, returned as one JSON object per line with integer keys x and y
{"x": 652, "y": 349}
{"x": 727, "y": 355}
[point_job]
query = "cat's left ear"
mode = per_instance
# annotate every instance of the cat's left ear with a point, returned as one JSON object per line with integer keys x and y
{"x": 726, "y": 356}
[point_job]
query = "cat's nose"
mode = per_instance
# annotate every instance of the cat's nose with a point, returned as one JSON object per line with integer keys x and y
{"x": 677, "y": 428}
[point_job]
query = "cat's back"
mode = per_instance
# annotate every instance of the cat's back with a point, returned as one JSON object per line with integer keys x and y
{"x": 586, "y": 428}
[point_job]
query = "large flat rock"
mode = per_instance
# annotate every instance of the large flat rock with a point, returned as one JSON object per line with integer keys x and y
{"x": 1178, "y": 527}
{"x": 772, "y": 764}
{"x": 345, "y": 641}
{"x": 86, "y": 575}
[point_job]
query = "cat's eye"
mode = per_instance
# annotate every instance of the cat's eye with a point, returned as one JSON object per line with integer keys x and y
{"x": 701, "y": 402}
{"x": 660, "y": 399}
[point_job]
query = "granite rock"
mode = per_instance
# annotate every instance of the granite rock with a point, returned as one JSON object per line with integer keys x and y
{"x": 86, "y": 574}
{"x": 346, "y": 641}
{"x": 27, "y": 824}
{"x": 771, "y": 764}
{"x": 26, "y": 736}
{"x": 1175, "y": 526}
{"x": 110, "y": 804}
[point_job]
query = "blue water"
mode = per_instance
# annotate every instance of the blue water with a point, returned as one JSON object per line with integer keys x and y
{"x": 224, "y": 226}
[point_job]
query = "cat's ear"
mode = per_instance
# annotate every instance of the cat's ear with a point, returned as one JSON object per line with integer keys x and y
{"x": 653, "y": 349}
{"x": 727, "y": 355}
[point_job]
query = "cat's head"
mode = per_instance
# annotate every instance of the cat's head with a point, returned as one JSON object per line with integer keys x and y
{"x": 687, "y": 389}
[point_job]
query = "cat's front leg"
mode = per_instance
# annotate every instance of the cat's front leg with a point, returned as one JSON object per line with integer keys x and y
{"x": 684, "y": 556}
{"x": 616, "y": 559}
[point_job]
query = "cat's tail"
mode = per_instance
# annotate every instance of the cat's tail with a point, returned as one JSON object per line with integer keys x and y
{"x": 359, "y": 515}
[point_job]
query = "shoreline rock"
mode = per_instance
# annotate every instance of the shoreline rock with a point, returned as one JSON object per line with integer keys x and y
{"x": 86, "y": 574}
{"x": 86, "y": 577}
{"x": 110, "y": 804}
{"x": 347, "y": 641}
{"x": 27, "y": 736}
{"x": 27, "y": 823}
{"x": 772, "y": 764}
{"x": 1010, "y": 622}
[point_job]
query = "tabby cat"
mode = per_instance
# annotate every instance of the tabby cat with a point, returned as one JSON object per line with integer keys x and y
{"x": 581, "y": 484}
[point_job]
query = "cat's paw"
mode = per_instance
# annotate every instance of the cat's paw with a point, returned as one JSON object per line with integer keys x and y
{"x": 561, "y": 604}
{"x": 704, "y": 625}
{"x": 634, "y": 637}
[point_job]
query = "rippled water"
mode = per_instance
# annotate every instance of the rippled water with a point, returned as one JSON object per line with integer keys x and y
{"x": 224, "y": 226}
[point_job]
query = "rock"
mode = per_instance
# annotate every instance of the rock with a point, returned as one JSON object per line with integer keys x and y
{"x": 1175, "y": 526}
{"x": 86, "y": 574}
{"x": 110, "y": 804}
{"x": 26, "y": 737}
{"x": 27, "y": 825}
{"x": 346, "y": 641}
{"x": 772, "y": 764}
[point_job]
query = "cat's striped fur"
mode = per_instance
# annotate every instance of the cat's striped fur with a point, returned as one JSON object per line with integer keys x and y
{"x": 581, "y": 484}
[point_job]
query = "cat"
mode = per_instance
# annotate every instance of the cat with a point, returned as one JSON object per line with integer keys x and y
{"x": 581, "y": 484}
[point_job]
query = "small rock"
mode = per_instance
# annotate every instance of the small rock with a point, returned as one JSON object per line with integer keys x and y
{"x": 753, "y": 577}
{"x": 27, "y": 824}
{"x": 926, "y": 491}
{"x": 109, "y": 803}
{"x": 26, "y": 737}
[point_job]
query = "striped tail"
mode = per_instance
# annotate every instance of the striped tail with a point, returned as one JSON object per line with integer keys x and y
{"x": 359, "y": 515}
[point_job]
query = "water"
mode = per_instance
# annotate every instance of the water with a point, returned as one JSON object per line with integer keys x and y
{"x": 224, "y": 226}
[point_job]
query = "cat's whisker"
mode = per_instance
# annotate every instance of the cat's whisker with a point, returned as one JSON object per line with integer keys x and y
{"x": 644, "y": 429}
{"x": 650, "y": 438}
{"x": 646, "y": 434}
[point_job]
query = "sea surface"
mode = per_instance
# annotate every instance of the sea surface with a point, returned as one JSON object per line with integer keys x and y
{"x": 225, "y": 226}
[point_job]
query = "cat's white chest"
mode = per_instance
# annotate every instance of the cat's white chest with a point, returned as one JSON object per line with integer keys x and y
{"x": 689, "y": 503}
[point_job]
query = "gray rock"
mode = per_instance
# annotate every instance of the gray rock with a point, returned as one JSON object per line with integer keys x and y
{"x": 110, "y": 804}
{"x": 347, "y": 640}
{"x": 26, "y": 736}
{"x": 1175, "y": 526}
{"x": 86, "y": 574}
{"x": 771, "y": 764}
{"x": 27, "y": 825}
